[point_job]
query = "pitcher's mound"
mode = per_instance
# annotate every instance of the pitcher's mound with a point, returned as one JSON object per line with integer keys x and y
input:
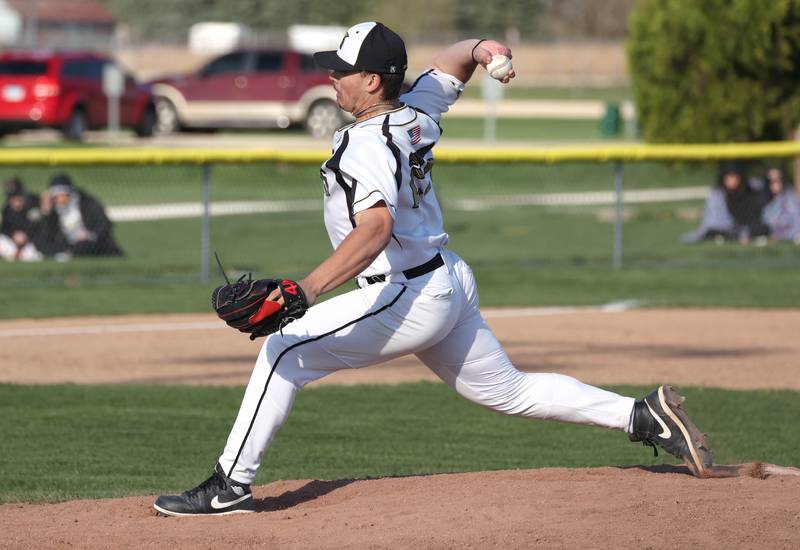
{"x": 660, "y": 507}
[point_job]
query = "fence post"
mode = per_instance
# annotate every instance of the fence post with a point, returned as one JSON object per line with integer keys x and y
{"x": 618, "y": 215}
{"x": 205, "y": 226}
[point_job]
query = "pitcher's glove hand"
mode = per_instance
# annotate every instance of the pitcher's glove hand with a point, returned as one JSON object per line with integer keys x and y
{"x": 243, "y": 305}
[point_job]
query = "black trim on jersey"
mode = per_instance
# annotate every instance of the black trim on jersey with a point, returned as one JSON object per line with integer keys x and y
{"x": 414, "y": 85}
{"x": 441, "y": 130}
{"x": 333, "y": 165}
{"x": 369, "y": 195}
{"x": 424, "y": 150}
{"x": 333, "y": 162}
{"x": 349, "y": 196}
{"x": 419, "y": 166}
{"x": 398, "y": 172}
{"x": 297, "y": 344}
{"x": 397, "y": 241}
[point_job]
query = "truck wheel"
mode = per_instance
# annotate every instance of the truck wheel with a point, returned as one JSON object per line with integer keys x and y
{"x": 76, "y": 126}
{"x": 147, "y": 126}
{"x": 166, "y": 117}
{"x": 324, "y": 117}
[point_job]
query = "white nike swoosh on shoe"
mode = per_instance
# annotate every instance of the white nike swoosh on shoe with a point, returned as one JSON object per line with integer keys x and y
{"x": 217, "y": 505}
{"x": 665, "y": 432}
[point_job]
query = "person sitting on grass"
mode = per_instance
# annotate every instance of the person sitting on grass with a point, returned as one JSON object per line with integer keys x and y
{"x": 85, "y": 229}
{"x": 21, "y": 226}
{"x": 782, "y": 213}
{"x": 732, "y": 211}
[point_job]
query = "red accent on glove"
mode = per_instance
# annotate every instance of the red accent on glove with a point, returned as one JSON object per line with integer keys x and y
{"x": 289, "y": 286}
{"x": 267, "y": 308}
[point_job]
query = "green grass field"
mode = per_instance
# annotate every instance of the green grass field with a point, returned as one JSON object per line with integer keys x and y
{"x": 547, "y": 255}
{"x": 65, "y": 442}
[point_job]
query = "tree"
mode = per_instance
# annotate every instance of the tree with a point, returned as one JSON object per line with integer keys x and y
{"x": 716, "y": 70}
{"x": 432, "y": 20}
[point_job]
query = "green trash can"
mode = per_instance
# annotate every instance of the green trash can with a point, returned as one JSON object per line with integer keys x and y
{"x": 611, "y": 123}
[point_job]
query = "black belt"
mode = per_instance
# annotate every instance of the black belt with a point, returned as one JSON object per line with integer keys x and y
{"x": 434, "y": 263}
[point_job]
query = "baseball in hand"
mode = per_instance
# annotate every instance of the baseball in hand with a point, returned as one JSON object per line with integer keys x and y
{"x": 499, "y": 67}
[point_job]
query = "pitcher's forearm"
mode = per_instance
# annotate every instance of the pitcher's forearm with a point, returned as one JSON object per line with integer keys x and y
{"x": 355, "y": 253}
{"x": 351, "y": 258}
{"x": 457, "y": 60}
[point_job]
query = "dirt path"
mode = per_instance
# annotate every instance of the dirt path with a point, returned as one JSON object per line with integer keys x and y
{"x": 722, "y": 348}
{"x": 549, "y": 508}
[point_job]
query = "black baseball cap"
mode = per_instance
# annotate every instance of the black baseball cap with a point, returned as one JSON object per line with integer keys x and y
{"x": 371, "y": 47}
{"x": 14, "y": 187}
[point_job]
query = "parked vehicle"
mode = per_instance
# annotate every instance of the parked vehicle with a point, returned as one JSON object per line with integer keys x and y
{"x": 65, "y": 91}
{"x": 250, "y": 89}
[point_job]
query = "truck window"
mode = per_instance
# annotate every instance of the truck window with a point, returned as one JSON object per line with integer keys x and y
{"x": 23, "y": 68}
{"x": 95, "y": 69}
{"x": 83, "y": 68}
{"x": 269, "y": 62}
{"x": 230, "y": 63}
{"x": 76, "y": 68}
{"x": 308, "y": 65}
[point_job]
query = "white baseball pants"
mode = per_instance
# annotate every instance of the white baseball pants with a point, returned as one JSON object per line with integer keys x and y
{"x": 434, "y": 316}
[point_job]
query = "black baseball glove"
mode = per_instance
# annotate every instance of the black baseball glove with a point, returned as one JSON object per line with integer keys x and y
{"x": 243, "y": 305}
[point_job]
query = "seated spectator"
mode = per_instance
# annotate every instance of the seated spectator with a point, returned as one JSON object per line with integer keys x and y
{"x": 782, "y": 213}
{"x": 732, "y": 210}
{"x": 21, "y": 225}
{"x": 84, "y": 227}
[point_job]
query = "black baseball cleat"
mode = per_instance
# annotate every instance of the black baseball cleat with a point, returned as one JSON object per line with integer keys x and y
{"x": 659, "y": 419}
{"x": 219, "y": 495}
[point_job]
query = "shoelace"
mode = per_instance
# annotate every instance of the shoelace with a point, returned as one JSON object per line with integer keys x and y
{"x": 214, "y": 481}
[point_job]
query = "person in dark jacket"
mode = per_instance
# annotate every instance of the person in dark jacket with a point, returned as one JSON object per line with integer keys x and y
{"x": 732, "y": 210}
{"x": 745, "y": 204}
{"x": 84, "y": 227}
{"x": 21, "y": 229}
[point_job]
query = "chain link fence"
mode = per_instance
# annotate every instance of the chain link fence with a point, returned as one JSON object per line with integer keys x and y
{"x": 166, "y": 220}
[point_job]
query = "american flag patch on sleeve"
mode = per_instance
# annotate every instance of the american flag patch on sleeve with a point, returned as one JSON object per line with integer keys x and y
{"x": 415, "y": 134}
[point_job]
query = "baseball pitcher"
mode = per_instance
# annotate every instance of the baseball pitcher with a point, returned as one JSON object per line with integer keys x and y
{"x": 414, "y": 296}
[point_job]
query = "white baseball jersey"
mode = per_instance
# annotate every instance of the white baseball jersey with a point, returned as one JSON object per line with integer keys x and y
{"x": 389, "y": 158}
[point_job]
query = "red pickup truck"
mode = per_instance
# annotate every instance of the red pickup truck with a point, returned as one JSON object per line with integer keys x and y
{"x": 250, "y": 89}
{"x": 65, "y": 91}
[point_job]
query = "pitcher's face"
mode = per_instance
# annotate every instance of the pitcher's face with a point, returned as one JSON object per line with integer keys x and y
{"x": 351, "y": 89}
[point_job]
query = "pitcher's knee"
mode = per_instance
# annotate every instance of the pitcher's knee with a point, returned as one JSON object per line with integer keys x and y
{"x": 277, "y": 354}
{"x": 278, "y": 347}
{"x": 274, "y": 347}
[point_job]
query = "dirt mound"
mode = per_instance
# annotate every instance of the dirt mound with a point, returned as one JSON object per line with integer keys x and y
{"x": 599, "y": 508}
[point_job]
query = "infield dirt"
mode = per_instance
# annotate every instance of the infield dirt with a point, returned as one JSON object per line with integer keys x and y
{"x": 660, "y": 507}
{"x": 741, "y": 349}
